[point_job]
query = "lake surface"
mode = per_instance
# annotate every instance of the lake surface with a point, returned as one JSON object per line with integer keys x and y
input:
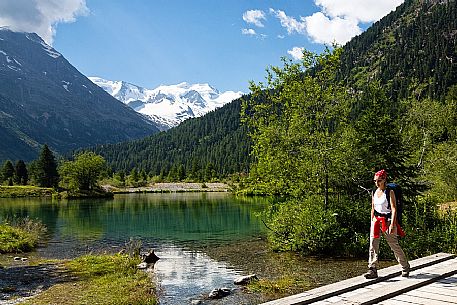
{"x": 174, "y": 224}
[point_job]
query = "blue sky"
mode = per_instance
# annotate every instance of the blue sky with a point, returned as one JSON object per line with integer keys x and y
{"x": 225, "y": 43}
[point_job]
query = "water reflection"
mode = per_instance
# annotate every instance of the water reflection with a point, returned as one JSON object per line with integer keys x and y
{"x": 171, "y": 217}
{"x": 185, "y": 275}
{"x": 171, "y": 223}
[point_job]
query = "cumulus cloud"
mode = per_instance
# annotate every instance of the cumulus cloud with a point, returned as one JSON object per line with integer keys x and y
{"x": 290, "y": 23}
{"x": 40, "y": 16}
{"x": 322, "y": 29}
{"x": 296, "y": 53}
{"x": 248, "y": 32}
{"x": 361, "y": 10}
{"x": 255, "y": 17}
{"x": 338, "y": 21}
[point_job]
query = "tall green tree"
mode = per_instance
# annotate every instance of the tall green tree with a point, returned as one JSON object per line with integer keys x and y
{"x": 431, "y": 133}
{"x": 134, "y": 175}
{"x": 298, "y": 121}
{"x": 378, "y": 125}
{"x": 21, "y": 174}
{"x": 45, "y": 169}
{"x": 83, "y": 173}
{"x": 8, "y": 172}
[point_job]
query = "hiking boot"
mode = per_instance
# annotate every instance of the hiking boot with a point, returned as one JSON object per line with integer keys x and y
{"x": 405, "y": 273}
{"x": 371, "y": 273}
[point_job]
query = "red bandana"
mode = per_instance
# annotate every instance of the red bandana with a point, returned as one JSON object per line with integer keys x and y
{"x": 381, "y": 174}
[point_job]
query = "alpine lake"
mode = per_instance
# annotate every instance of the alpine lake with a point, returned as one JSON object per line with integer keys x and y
{"x": 204, "y": 241}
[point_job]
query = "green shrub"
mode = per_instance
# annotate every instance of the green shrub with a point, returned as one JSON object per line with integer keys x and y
{"x": 20, "y": 235}
{"x": 343, "y": 229}
{"x": 305, "y": 226}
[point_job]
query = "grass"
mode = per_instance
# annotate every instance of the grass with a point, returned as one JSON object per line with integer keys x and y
{"x": 101, "y": 279}
{"x": 279, "y": 287}
{"x": 24, "y": 191}
{"x": 20, "y": 235}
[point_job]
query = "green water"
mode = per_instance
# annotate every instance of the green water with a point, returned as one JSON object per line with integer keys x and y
{"x": 176, "y": 225}
{"x": 183, "y": 218}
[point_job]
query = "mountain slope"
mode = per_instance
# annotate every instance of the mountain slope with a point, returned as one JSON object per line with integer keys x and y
{"x": 168, "y": 106}
{"x": 390, "y": 50}
{"x": 215, "y": 141}
{"x": 44, "y": 99}
{"x": 413, "y": 50}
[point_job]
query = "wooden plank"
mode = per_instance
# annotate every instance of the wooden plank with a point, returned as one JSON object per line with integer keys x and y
{"x": 439, "y": 289}
{"x": 401, "y": 286}
{"x": 451, "y": 299}
{"x": 398, "y": 284}
{"x": 322, "y": 293}
{"x": 396, "y": 302}
{"x": 419, "y": 300}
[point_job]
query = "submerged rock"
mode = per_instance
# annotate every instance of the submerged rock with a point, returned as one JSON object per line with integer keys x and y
{"x": 244, "y": 280}
{"x": 219, "y": 293}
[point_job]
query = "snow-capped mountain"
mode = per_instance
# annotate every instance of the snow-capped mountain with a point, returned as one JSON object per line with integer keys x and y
{"x": 44, "y": 99}
{"x": 168, "y": 106}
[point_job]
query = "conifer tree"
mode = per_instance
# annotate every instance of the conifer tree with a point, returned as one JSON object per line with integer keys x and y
{"x": 21, "y": 173}
{"x": 8, "y": 172}
{"x": 134, "y": 175}
{"x": 46, "y": 174}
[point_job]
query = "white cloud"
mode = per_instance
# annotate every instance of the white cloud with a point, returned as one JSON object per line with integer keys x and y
{"x": 248, "y": 32}
{"x": 338, "y": 21}
{"x": 322, "y": 29}
{"x": 40, "y": 16}
{"x": 255, "y": 17}
{"x": 290, "y": 23}
{"x": 361, "y": 10}
{"x": 296, "y": 53}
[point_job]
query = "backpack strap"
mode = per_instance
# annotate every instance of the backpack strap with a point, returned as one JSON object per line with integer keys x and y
{"x": 387, "y": 192}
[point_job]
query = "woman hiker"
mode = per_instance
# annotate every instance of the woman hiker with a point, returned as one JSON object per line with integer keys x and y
{"x": 384, "y": 218}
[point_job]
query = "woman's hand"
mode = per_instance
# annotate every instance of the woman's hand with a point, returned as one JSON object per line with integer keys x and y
{"x": 391, "y": 229}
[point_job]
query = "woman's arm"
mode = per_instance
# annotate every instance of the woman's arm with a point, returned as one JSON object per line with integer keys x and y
{"x": 372, "y": 206}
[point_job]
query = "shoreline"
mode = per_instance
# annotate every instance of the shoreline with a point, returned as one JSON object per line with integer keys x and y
{"x": 171, "y": 187}
{"x": 162, "y": 187}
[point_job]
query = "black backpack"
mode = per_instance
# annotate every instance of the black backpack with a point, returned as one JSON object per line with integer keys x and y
{"x": 398, "y": 195}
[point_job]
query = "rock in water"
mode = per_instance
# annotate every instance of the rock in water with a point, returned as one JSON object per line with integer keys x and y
{"x": 219, "y": 293}
{"x": 151, "y": 258}
{"x": 244, "y": 280}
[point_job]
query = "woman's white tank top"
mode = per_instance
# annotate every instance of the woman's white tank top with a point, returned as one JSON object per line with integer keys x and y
{"x": 381, "y": 204}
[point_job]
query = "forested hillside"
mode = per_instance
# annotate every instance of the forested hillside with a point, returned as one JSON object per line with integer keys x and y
{"x": 213, "y": 145}
{"x": 410, "y": 52}
{"x": 413, "y": 50}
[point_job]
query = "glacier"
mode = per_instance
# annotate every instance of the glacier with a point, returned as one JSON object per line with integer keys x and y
{"x": 168, "y": 105}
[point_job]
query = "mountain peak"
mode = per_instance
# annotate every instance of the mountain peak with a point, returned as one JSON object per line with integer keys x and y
{"x": 168, "y": 105}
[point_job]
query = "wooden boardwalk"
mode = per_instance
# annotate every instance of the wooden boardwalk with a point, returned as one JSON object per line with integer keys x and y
{"x": 432, "y": 281}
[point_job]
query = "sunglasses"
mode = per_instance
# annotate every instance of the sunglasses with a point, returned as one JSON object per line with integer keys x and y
{"x": 378, "y": 180}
